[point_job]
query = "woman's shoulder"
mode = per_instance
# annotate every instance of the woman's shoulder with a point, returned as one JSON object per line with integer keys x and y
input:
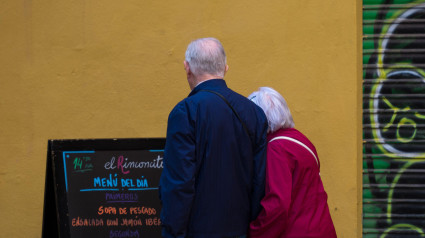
{"x": 291, "y": 133}
{"x": 287, "y": 132}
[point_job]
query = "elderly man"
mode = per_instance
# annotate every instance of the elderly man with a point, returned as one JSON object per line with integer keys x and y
{"x": 214, "y": 161}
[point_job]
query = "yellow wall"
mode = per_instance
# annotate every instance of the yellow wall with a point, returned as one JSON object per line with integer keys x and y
{"x": 113, "y": 69}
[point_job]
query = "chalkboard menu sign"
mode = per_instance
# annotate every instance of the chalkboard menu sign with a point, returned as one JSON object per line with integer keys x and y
{"x": 103, "y": 188}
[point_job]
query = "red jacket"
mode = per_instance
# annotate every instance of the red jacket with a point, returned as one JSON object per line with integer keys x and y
{"x": 295, "y": 204}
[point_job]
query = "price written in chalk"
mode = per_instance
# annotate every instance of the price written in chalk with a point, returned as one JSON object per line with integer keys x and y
{"x": 82, "y": 164}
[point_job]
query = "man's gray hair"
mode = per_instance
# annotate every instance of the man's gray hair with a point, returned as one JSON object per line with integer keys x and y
{"x": 206, "y": 56}
{"x": 274, "y": 106}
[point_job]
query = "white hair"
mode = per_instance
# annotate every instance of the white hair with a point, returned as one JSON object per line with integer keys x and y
{"x": 274, "y": 106}
{"x": 206, "y": 56}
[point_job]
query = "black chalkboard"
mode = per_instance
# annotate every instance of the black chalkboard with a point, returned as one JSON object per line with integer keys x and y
{"x": 103, "y": 188}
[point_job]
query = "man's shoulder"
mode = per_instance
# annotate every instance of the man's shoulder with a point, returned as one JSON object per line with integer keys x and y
{"x": 250, "y": 105}
{"x": 242, "y": 99}
{"x": 209, "y": 99}
{"x": 185, "y": 106}
{"x": 180, "y": 107}
{"x": 249, "y": 110}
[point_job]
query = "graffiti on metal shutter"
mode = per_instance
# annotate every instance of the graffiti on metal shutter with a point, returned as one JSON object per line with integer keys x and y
{"x": 393, "y": 118}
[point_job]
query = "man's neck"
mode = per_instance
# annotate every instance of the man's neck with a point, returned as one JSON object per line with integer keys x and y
{"x": 206, "y": 77}
{"x": 203, "y": 78}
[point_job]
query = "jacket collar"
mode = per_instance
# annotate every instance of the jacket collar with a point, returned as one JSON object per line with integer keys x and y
{"x": 209, "y": 84}
{"x": 290, "y": 132}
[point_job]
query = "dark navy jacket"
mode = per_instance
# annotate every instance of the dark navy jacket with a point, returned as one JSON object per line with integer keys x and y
{"x": 213, "y": 177}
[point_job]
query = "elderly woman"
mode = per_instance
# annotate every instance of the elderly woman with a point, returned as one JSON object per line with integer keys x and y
{"x": 295, "y": 204}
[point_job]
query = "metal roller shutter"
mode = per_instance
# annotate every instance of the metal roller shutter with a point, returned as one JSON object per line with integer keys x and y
{"x": 393, "y": 118}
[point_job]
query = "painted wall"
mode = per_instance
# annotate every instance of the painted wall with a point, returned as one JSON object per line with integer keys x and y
{"x": 113, "y": 69}
{"x": 394, "y": 118}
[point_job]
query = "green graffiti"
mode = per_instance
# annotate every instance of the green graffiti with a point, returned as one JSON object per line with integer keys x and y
{"x": 394, "y": 118}
{"x": 403, "y": 227}
{"x": 396, "y": 110}
{"x": 391, "y": 191}
{"x": 420, "y": 116}
{"x": 403, "y": 122}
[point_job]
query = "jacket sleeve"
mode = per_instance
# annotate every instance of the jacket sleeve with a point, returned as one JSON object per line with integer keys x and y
{"x": 178, "y": 176}
{"x": 272, "y": 220}
{"x": 259, "y": 172}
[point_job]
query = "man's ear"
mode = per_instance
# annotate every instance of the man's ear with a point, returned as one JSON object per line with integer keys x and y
{"x": 186, "y": 67}
{"x": 226, "y": 69}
